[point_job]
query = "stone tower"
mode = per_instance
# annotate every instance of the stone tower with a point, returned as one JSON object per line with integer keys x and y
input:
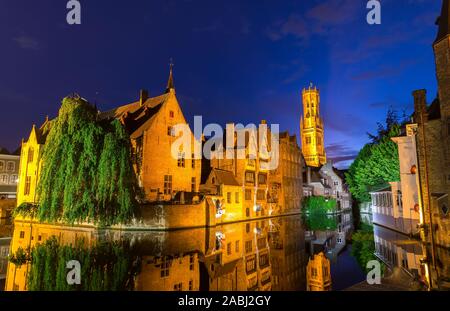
{"x": 311, "y": 128}
{"x": 441, "y": 48}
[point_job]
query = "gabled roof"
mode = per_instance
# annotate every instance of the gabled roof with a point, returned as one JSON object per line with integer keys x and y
{"x": 136, "y": 117}
{"x": 443, "y": 21}
{"x": 224, "y": 177}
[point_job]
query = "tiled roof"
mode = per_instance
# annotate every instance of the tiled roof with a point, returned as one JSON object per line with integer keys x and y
{"x": 225, "y": 177}
{"x": 136, "y": 117}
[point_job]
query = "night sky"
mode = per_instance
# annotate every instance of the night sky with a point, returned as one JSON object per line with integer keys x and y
{"x": 235, "y": 61}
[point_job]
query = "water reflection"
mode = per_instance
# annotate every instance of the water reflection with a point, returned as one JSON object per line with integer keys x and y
{"x": 269, "y": 254}
{"x": 405, "y": 254}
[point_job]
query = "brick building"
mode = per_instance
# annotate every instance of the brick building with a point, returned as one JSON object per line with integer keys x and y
{"x": 433, "y": 150}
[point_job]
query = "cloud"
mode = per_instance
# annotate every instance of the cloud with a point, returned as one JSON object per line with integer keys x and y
{"x": 322, "y": 19}
{"x": 27, "y": 42}
{"x": 336, "y": 121}
{"x": 340, "y": 152}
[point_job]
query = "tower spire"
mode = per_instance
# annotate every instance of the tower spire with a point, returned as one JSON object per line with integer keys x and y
{"x": 443, "y": 21}
{"x": 170, "y": 84}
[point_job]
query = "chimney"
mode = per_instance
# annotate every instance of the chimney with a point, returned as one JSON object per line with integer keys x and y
{"x": 263, "y": 122}
{"x": 420, "y": 103}
{"x": 143, "y": 96}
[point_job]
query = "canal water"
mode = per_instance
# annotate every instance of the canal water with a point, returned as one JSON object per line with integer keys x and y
{"x": 269, "y": 254}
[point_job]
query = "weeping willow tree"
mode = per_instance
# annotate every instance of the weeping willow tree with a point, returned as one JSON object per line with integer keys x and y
{"x": 106, "y": 266}
{"x": 87, "y": 173}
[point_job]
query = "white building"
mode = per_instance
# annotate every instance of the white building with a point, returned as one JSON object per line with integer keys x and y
{"x": 397, "y": 206}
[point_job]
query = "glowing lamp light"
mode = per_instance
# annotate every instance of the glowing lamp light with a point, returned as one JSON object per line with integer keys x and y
{"x": 413, "y": 169}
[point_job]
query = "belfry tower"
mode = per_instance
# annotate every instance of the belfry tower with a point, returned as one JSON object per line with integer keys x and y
{"x": 311, "y": 128}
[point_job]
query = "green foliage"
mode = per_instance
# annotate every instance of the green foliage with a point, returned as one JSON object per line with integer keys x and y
{"x": 87, "y": 173}
{"x": 106, "y": 266}
{"x": 320, "y": 221}
{"x": 376, "y": 163}
{"x": 26, "y": 210}
{"x": 20, "y": 258}
{"x": 363, "y": 247}
{"x": 319, "y": 204}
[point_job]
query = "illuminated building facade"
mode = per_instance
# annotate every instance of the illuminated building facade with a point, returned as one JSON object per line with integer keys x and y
{"x": 318, "y": 273}
{"x": 9, "y": 174}
{"x": 311, "y": 128}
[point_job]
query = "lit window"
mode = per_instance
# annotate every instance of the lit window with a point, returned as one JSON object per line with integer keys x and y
{"x": 250, "y": 177}
{"x": 193, "y": 184}
{"x": 248, "y": 194}
{"x": 2, "y": 165}
{"x": 167, "y": 184}
{"x": 308, "y": 140}
{"x": 170, "y": 131}
{"x": 4, "y": 179}
{"x": 13, "y": 179}
{"x": 181, "y": 160}
{"x": 10, "y": 167}
{"x": 178, "y": 287}
{"x": 30, "y": 155}
{"x": 248, "y": 246}
{"x": 27, "y": 185}
{"x": 262, "y": 178}
{"x": 236, "y": 246}
{"x": 165, "y": 264}
{"x": 261, "y": 195}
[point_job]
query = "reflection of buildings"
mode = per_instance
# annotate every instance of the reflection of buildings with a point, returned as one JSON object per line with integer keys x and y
{"x": 9, "y": 174}
{"x": 398, "y": 250}
{"x": 318, "y": 273}
{"x": 287, "y": 254}
{"x": 258, "y": 255}
{"x": 167, "y": 273}
{"x": 4, "y": 251}
{"x": 420, "y": 200}
{"x": 28, "y": 235}
{"x": 328, "y": 233}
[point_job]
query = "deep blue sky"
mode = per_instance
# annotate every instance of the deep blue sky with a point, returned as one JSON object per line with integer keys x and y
{"x": 239, "y": 61}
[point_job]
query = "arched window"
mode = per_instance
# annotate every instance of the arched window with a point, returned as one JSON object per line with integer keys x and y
{"x": 30, "y": 155}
